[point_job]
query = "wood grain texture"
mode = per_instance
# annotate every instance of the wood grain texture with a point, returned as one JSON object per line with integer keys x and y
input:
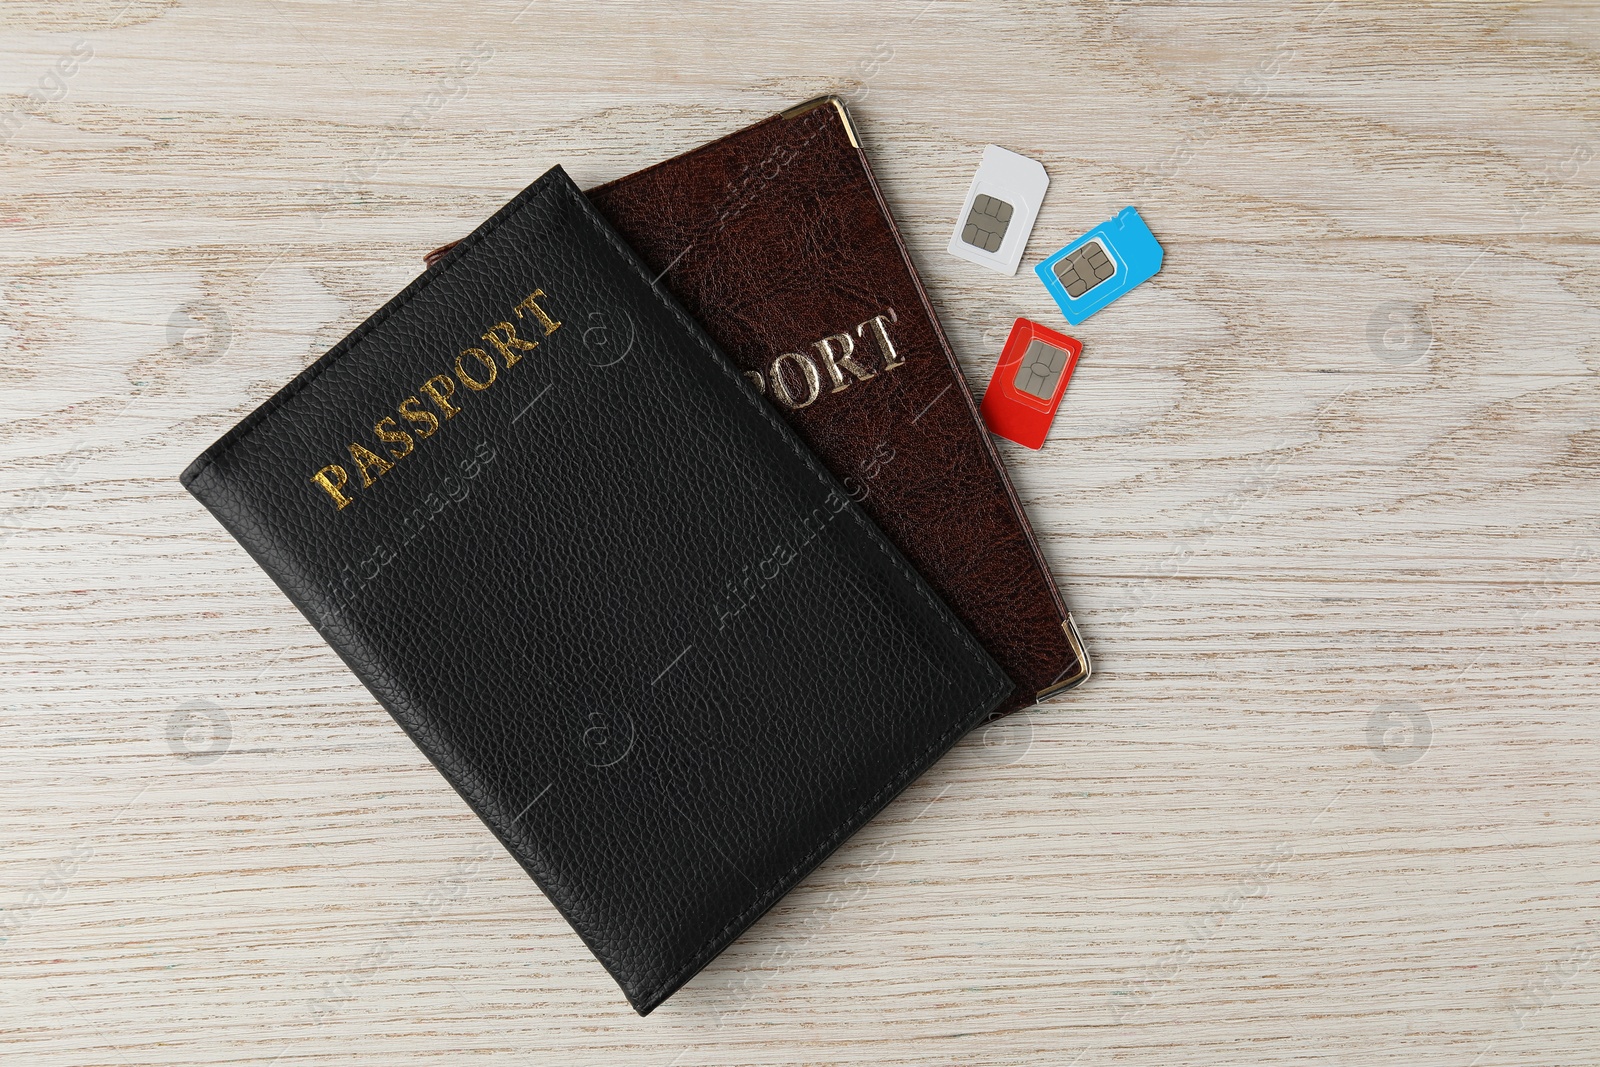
{"x": 1323, "y": 495}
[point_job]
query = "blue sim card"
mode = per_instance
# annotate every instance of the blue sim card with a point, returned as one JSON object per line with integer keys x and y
{"x": 1101, "y": 265}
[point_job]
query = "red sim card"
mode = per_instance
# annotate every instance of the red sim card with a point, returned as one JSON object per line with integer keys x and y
{"x": 1028, "y": 382}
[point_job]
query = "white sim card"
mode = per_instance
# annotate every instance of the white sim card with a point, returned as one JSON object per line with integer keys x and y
{"x": 993, "y": 227}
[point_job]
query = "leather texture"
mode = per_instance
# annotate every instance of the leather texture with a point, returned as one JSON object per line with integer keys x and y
{"x": 776, "y": 237}
{"x": 614, "y": 599}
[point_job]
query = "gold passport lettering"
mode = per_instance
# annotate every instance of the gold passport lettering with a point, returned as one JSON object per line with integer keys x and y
{"x": 475, "y": 369}
{"x": 796, "y": 378}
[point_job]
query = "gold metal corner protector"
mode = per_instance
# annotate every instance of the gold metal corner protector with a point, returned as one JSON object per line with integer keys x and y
{"x": 1086, "y": 668}
{"x": 811, "y": 105}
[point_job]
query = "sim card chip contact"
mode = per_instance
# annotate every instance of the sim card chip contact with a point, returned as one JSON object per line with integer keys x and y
{"x": 1042, "y": 365}
{"x": 1084, "y": 269}
{"x": 987, "y": 223}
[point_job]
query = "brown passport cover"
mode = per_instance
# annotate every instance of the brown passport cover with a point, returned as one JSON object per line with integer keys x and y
{"x": 778, "y": 240}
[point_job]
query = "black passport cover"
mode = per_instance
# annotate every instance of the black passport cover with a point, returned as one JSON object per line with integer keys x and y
{"x": 638, "y": 627}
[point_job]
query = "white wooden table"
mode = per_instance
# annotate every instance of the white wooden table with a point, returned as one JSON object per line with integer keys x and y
{"x": 1323, "y": 495}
